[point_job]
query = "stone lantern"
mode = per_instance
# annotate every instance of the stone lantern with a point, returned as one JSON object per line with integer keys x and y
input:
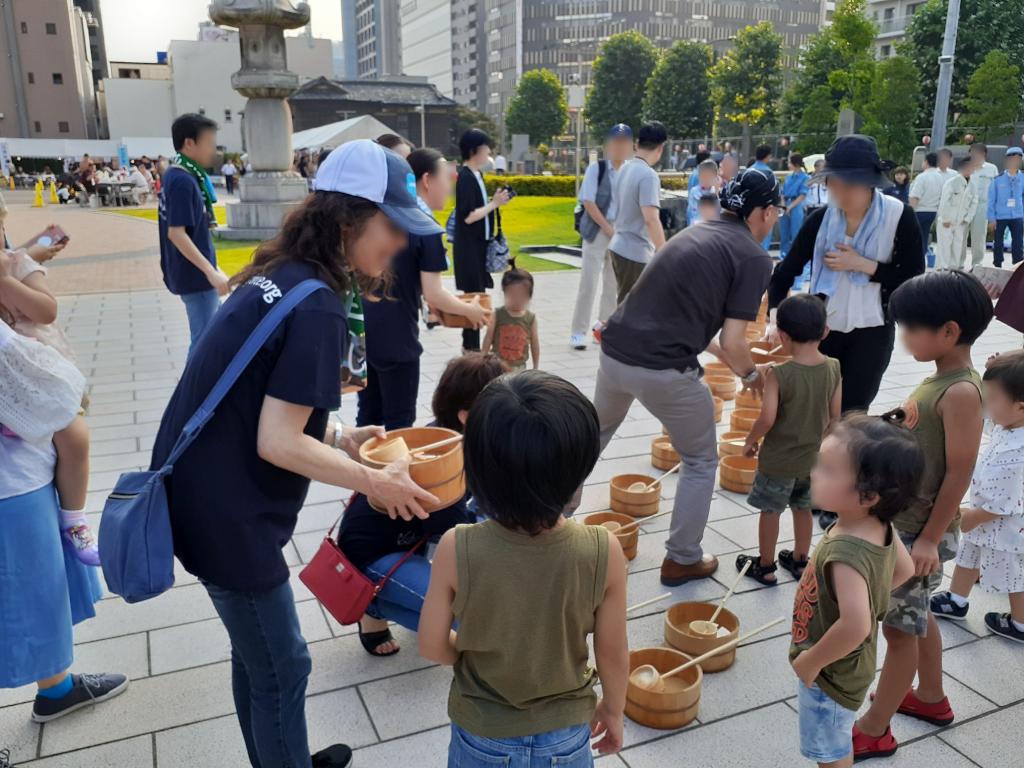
{"x": 271, "y": 190}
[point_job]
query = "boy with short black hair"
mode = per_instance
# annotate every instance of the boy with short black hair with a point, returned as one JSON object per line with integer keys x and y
{"x": 709, "y": 209}
{"x": 801, "y": 398}
{"x": 941, "y": 314}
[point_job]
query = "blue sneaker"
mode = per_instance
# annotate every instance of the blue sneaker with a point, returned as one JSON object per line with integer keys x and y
{"x": 944, "y": 608}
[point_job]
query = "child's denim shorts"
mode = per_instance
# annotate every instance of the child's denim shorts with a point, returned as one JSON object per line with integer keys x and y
{"x": 826, "y": 727}
{"x": 564, "y": 748}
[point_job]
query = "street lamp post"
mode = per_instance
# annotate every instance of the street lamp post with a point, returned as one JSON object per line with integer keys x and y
{"x": 940, "y": 118}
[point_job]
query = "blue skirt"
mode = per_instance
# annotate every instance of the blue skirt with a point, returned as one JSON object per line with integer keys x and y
{"x": 44, "y": 590}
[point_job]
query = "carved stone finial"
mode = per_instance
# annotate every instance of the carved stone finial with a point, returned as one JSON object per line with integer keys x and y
{"x": 274, "y": 13}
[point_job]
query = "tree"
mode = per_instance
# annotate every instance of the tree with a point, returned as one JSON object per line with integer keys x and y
{"x": 818, "y": 122}
{"x": 538, "y": 108}
{"x": 466, "y": 118}
{"x": 678, "y": 93}
{"x": 985, "y": 25}
{"x": 747, "y": 80}
{"x": 891, "y": 110}
{"x": 620, "y": 72}
{"x": 993, "y": 95}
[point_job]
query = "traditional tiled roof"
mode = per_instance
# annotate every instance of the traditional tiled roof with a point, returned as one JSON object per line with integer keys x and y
{"x": 394, "y": 91}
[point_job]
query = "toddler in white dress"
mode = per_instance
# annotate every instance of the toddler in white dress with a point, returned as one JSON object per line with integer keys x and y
{"x": 993, "y": 524}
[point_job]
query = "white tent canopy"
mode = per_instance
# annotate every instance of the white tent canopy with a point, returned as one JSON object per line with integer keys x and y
{"x": 137, "y": 147}
{"x": 335, "y": 134}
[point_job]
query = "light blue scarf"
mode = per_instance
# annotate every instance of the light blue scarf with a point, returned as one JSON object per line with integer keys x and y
{"x": 873, "y": 240}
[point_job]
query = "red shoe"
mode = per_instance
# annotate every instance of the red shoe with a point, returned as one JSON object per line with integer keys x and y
{"x": 938, "y": 713}
{"x": 866, "y": 747}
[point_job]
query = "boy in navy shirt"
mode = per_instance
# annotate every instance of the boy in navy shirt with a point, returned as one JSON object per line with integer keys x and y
{"x": 187, "y": 256}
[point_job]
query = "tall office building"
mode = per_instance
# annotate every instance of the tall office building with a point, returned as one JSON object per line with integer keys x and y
{"x": 469, "y": 53}
{"x": 97, "y": 45}
{"x": 893, "y": 18}
{"x": 371, "y": 31}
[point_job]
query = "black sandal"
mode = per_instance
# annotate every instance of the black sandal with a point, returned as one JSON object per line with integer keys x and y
{"x": 757, "y": 572}
{"x": 372, "y": 640}
{"x": 794, "y": 566}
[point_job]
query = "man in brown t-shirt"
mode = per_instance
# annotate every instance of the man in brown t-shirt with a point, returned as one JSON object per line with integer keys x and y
{"x": 708, "y": 278}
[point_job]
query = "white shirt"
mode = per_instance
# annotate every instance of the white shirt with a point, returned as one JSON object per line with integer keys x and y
{"x": 483, "y": 191}
{"x": 24, "y": 467}
{"x": 228, "y": 169}
{"x": 981, "y": 180}
{"x": 959, "y": 201}
{"x": 500, "y": 163}
{"x": 138, "y": 179}
{"x": 817, "y": 195}
{"x": 927, "y": 188}
{"x": 998, "y": 488}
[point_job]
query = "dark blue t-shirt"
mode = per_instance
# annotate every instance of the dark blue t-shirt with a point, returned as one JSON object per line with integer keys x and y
{"x": 181, "y": 205}
{"x": 392, "y": 324}
{"x": 231, "y": 511}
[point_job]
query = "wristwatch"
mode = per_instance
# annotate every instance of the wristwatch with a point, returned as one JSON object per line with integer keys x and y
{"x": 751, "y": 377}
{"x": 339, "y": 435}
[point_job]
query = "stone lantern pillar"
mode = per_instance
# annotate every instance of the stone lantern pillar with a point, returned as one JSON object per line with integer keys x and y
{"x": 271, "y": 190}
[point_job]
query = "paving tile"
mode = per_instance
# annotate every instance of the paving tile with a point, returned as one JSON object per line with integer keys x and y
{"x": 129, "y": 753}
{"x": 731, "y": 691}
{"x": 999, "y": 677}
{"x": 931, "y": 753}
{"x": 424, "y": 698}
{"x": 342, "y": 662}
{"x": 422, "y": 750}
{"x": 18, "y": 733}
{"x": 993, "y": 740}
{"x": 176, "y": 606}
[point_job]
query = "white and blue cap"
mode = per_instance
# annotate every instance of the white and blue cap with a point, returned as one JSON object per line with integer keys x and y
{"x": 1015, "y": 151}
{"x": 365, "y": 169}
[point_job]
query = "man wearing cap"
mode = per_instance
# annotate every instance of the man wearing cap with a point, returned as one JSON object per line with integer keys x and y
{"x": 707, "y": 279}
{"x": 637, "y": 195}
{"x": 272, "y": 434}
{"x": 596, "y": 229}
{"x": 1006, "y": 208}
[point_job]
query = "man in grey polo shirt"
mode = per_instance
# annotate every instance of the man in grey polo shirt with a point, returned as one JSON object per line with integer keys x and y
{"x": 637, "y": 194}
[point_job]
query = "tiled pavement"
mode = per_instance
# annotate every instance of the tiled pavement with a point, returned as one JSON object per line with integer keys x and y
{"x": 179, "y": 709}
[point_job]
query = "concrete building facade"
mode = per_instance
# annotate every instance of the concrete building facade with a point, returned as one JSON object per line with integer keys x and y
{"x": 371, "y": 31}
{"x": 893, "y": 17}
{"x": 426, "y": 33}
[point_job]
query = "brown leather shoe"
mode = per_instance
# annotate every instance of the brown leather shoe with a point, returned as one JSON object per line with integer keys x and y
{"x": 673, "y": 574}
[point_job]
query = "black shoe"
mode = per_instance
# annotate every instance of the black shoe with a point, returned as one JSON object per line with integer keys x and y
{"x": 825, "y": 519}
{"x": 944, "y": 608}
{"x": 85, "y": 690}
{"x": 335, "y": 756}
{"x": 1001, "y": 624}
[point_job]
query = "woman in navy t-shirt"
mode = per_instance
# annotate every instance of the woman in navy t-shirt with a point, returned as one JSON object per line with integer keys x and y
{"x": 236, "y": 493}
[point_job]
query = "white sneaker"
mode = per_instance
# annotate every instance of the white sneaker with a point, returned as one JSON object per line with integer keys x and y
{"x": 578, "y": 341}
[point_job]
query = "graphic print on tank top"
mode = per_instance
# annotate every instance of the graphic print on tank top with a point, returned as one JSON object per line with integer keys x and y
{"x": 805, "y": 603}
{"x": 513, "y": 341}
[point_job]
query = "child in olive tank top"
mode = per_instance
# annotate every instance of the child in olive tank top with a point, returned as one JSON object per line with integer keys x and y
{"x": 513, "y": 334}
{"x": 528, "y": 586}
{"x": 867, "y": 472}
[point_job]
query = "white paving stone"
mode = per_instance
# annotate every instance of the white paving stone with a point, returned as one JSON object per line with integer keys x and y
{"x": 423, "y": 696}
{"x": 129, "y": 753}
{"x": 996, "y": 740}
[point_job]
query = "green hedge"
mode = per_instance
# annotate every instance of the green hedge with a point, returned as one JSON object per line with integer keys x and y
{"x": 554, "y": 186}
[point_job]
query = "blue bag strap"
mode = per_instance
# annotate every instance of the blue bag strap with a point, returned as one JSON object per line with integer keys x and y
{"x": 240, "y": 362}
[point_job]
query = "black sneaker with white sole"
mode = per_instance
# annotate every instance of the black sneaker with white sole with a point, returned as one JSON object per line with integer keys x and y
{"x": 335, "y": 756}
{"x": 85, "y": 690}
{"x": 1001, "y": 624}
{"x": 826, "y": 518}
{"x": 944, "y": 608}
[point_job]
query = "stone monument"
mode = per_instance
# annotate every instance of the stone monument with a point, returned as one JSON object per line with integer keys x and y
{"x": 271, "y": 189}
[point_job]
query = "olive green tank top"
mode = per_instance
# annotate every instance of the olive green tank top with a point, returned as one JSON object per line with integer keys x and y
{"x": 512, "y": 338}
{"x": 922, "y": 408}
{"x": 816, "y": 609}
{"x": 805, "y": 393}
{"x": 525, "y": 605}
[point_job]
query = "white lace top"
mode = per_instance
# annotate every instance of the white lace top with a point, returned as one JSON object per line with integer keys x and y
{"x": 998, "y": 488}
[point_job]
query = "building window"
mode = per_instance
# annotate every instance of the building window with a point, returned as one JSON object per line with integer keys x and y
{"x": 38, "y": 126}
{"x": 227, "y": 115}
{"x": 63, "y": 127}
{"x": 58, "y": 78}
{"x": 51, "y": 29}
{"x": 31, "y": 78}
{"x": 886, "y": 51}
{"x": 24, "y": 31}
{"x": 126, "y": 73}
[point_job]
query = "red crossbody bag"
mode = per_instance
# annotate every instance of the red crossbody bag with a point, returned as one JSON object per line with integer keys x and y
{"x": 343, "y": 589}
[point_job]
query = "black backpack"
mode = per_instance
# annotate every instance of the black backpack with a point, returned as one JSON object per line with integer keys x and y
{"x": 577, "y": 214}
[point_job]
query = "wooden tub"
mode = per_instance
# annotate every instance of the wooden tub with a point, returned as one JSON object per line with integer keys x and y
{"x": 719, "y": 405}
{"x": 679, "y": 635}
{"x": 663, "y": 455}
{"x": 743, "y": 419}
{"x": 674, "y": 707}
{"x": 721, "y": 386}
{"x": 449, "y": 320}
{"x": 443, "y": 475}
{"x": 759, "y": 351}
{"x": 736, "y": 473}
{"x": 729, "y": 448}
{"x": 628, "y": 540}
{"x": 748, "y": 400}
{"x": 634, "y": 503}
{"x": 717, "y": 368}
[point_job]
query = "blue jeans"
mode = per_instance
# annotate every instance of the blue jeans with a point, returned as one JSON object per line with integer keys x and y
{"x": 789, "y": 225}
{"x": 925, "y": 219}
{"x": 564, "y": 748}
{"x": 200, "y": 307}
{"x": 826, "y": 727}
{"x": 401, "y": 600}
{"x": 1016, "y": 228}
{"x": 269, "y": 668}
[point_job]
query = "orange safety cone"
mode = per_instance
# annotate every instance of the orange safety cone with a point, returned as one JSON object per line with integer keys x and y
{"x": 38, "y": 202}
{"x": 53, "y": 192}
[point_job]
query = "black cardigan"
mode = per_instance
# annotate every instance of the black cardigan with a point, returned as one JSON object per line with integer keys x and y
{"x": 907, "y": 258}
{"x": 470, "y": 248}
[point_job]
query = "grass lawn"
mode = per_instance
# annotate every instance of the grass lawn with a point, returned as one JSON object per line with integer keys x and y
{"x": 526, "y": 221}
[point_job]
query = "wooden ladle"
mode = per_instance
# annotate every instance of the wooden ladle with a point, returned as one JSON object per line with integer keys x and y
{"x": 646, "y": 676}
{"x": 709, "y": 628}
{"x": 645, "y": 603}
{"x": 616, "y": 527}
{"x": 639, "y": 487}
{"x": 397, "y": 448}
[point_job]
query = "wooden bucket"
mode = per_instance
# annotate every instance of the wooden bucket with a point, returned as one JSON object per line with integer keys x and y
{"x": 663, "y": 455}
{"x": 448, "y": 320}
{"x": 755, "y": 331}
{"x": 634, "y": 503}
{"x": 718, "y": 369}
{"x": 743, "y": 419}
{"x": 443, "y": 475}
{"x": 628, "y": 540}
{"x": 736, "y": 473}
{"x": 679, "y": 635}
{"x": 721, "y": 386}
{"x": 719, "y": 404}
{"x": 759, "y": 352}
{"x": 748, "y": 400}
{"x": 762, "y": 312}
{"x": 731, "y": 449}
{"x": 674, "y": 707}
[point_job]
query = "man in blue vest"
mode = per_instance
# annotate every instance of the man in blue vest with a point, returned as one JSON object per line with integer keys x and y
{"x": 1006, "y": 208}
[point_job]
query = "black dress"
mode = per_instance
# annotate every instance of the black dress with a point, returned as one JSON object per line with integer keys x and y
{"x": 470, "y": 248}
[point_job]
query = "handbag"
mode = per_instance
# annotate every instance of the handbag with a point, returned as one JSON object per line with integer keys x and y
{"x": 136, "y": 547}
{"x": 1010, "y": 307}
{"x": 497, "y": 259}
{"x": 344, "y": 590}
{"x": 449, "y": 227}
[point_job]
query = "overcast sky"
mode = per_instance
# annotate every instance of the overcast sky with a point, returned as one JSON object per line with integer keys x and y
{"x": 136, "y": 29}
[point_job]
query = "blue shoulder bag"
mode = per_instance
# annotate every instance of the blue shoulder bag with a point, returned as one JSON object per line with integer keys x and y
{"x": 136, "y": 548}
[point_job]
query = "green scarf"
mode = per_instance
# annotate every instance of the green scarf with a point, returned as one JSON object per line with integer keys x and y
{"x": 354, "y": 368}
{"x": 193, "y": 168}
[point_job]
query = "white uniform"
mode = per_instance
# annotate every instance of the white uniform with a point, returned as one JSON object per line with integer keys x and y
{"x": 981, "y": 180}
{"x": 957, "y": 206}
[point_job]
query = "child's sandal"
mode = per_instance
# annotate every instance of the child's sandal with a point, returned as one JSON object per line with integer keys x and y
{"x": 791, "y": 564}
{"x": 757, "y": 572}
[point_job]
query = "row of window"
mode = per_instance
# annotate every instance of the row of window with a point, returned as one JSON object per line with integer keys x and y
{"x": 56, "y": 77}
{"x": 228, "y": 115}
{"x": 51, "y": 29}
{"x": 62, "y": 126}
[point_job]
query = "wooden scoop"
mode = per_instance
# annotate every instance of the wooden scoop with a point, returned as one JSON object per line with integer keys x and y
{"x": 419, "y": 452}
{"x": 612, "y": 526}
{"x": 390, "y": 450}
{"x": 709, "y": 628}
{"x": 646, "y": 676}
{"x": 638, "y": 487}
{"x": 645, "y": 603}
{"x": 642, "y": 521}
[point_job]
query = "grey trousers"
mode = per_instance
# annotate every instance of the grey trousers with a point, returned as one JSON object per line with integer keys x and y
{"x": 682, "y": 402}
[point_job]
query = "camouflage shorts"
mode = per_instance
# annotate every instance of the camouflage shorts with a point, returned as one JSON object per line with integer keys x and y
{"x": 909, "y": 604}
{"x": 774, "y": 494}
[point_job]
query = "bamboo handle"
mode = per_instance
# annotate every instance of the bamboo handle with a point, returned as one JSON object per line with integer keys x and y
{"x": 645, "y": 603}
{"x": 722, "y": 648}
{"x": 776, "y": 350}
{"x": 438, "y": 444}
{"x": 671, "y": 471}
{"x": 644, "y": 520}
{"x": 721, "y": 605}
